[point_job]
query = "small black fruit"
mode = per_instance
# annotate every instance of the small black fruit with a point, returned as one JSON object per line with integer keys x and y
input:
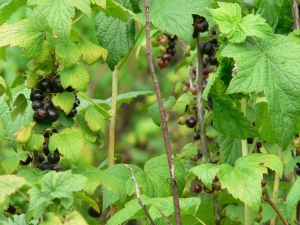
{"x": 77, "y": 103}
{"x": 93, "y": 213}
{"x": 196, "y": 136}
{"x": 53, "y": 158}
{"x": 36, "y": 95}
{"x": 197, "y": 188}
{"x": 57, "y": 84}
{"x": 207, "y": 48}
{"x": 46, "y": 150}
{"x": 45, "y": 85}
{"x": 27, "y": 160}
{"x": 11, "y": 209}
{"x": 46, "y": 166}
{"x": 73, "y": 113}
{"x": 36, "y": 104}
{"x": 49, "y": 104}
{"x": 41, "y": 158}
{"x": 191, "y": 122}
{"x": 41, "y": 113}
{"x": 52, "y": 114}
{"x": 58, "y": 169}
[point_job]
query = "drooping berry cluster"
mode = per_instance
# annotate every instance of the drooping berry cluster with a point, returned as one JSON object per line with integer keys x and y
{"x": 42, "y": 103}
{"x": 296, "y": 144}
{"x": 51, "y": 158}
{"x": 200, "y": 25}
{"x": 167, "y": 43}
{"x": 216, "y": 186}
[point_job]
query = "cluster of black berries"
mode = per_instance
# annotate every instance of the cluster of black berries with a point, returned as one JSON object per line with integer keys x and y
{"x": 51, "y": 158}
{"x": 216, "y": 186}
{"x": 200, "y": 25}
{"x": 193, "y": 89}
{"x": 296, "y": 144}
{"x": 41, "y": 100}
{"x": 167, "y": 45}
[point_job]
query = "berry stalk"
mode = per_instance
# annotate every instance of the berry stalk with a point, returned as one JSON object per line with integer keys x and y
{"x": 163, "y": 117}
{"x": 295, "y": 14}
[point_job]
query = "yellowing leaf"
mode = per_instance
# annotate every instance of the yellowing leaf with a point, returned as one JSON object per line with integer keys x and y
{"x": 75, "y": 218}
{"x": 9, "y": 184}
{"x": 94, "y": 119}
{"x": 64, "y": 100}
{"x": 23, "y": 134}
{"x": 90, "y": 52}
{"x": 35, "y": 142}
{"x": 76, "y": 76}
{"x": 68, "y": 53}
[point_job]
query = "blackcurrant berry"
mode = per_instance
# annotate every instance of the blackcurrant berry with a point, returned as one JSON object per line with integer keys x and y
{"x": 41, "y": 158}
{"x": 45, "y": 85}
{"x": 212, "y": 59}
{"x": 250, "y": 140}
{"x": 36, "y": 119}
{"x": 36, "y": 95}
{"x": 27, "y": 160}
{"x": 198, "y": 27}
{"x": 58, "y": 169}
{"x": 49, "y": 104}
{"x": 207, "y": 48}
{"x": 172, "y": 51}
{"x": 185, "y": 89}
{"x": 207, "y": 190}
{"x": 46, "y": 166}
{"x": 194, "y": 158}
{"x": 196, "y": 136}
{"x": 53, "y": 158}
{"x": 297, "y": 170}
{"x": 191, "y": 122}
{"x": 171, "y": 37}
{"x": 258, "y": 145}
{"x": 37, "y": 104}
{"x": 166, "y": 57}
{"x": 41, "y": 113}
{"x": 197, "y": 188}
{"x": 162, "y": 64}
{"x": 263, "y": 182}
{"x": 77, "y": 103}
{"x": 11, "y": 209}
{"x": 204, "y": 25}
{"x": 46, "y": 150}
{"x": 93, "y": 213}
{"x": 73, "y": 113}
{"x": 57, "y": 84}
{"x": 200, "y": 154}
{"x": 70, "y": 89}
{"x": 52, "y": 114}
{"x": 172, "y": 44}
{"x": 205, "y": 71}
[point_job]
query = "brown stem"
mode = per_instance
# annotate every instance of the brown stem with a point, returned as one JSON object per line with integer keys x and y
{"x": 217, "y": 210}
{"x": 295, "y": 14}
{"x": 35, "y": 159}
{"x": 163, "y": 117}
{"x": 267, "y": 198}
{"x": 200, "y": 109}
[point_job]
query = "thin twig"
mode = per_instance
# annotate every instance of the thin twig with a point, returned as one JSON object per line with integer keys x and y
{"x": 165, "y": 218}
{"x": 200, "y": 109}
{"x": 163, "y": 117}
{"x": 217, "y": 210}
{"x": 35, "y": 159}
{"x": 138, "y": 195}
{"x": 75, "y": 21}
{"x": 295, "y": 14}
{"x": 191, "y": 76}
{"x": 266, "y": 198}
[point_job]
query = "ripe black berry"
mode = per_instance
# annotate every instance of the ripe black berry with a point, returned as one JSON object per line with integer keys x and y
{"x": 198, "y": 27}
{"x": 49, "y": 104}
{"x": 200, "y": 154}
{"x": 172, "y": 44}
{"x": 46, "y": 166}
{"x": 77, "y": 103}
{"x": 166, "y": 57}
{"x": 46, "y": 150}
{"x": 37, "y": 104}
{"x": 73, "y": 113}
{"x": 41, "y": 158}
{"x": 212, "y": 59}
{"x": 250, "y": 140}
{"x": 57, "y": 84}
{"x": 36, "y": 119}
{"x": 172, "y": 51}
{"x": 258, "y": 145}
{"x": 207, "y": 190}
{"x": 93, "y": 213}
{"x": 196, "y": 136}
{"x": 41, "y": 113}
{"x": 53, "y": 158}
{"x": 297, "y": 170}
{"x": 27, "y": 160}
{"x": 52, "y": 114}
{"x": 11, "y": 209}
{"x": 197, "y": 188}
{"x": 191, "y": 122}
{"x": 207, "y": 48}
{"x": 36, "y": 95}
{"x": 45, "y": 85}
{"x": 58, "y": 169}
{"x": 70, "y": 89}
{"x": 204, "y": 25}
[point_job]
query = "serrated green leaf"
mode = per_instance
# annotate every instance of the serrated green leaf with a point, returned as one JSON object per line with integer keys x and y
{"x": 230, "y": 148}
{"x": 101, "y": 3}
{"x": 268, "y": 67}
{"x": 230, "y": 121}
{"x": 69, "y": 143}
{"x": 2, "y": 132}
{"x": 175, "y": 22}
{"x": 116, "y": 36}
{"x": 94, "y": 119}
{"x": 38, "y": 201}
{"x": 206, "y": 172}
{"x": 209, "y": 85}
{"x": 65, "y": 120}
{"x": 154, "y": 109}
{"x": 243, "y": 180}
{"x": 84, "y": 128}
{"x": 84, "y": 6}
{"x": 76, "y": 76}
{"x": 127, "y": 97}
{"x": 293, "y": 198}
{"x": 11, "y": 163}
{"x": 15, "y": 220}
{"x": 87, "y": 200}
{"x": 20, "y": 105}
{"x": 91, "y": 53}
{"x": 68, "y": 53}
{"x": 9, "y": 184}
{"x": 183, "y": 101}
{"x": 4, "y": 88}
{"x": 19, "y": 80}
{"x": 50, "y": 218}
{"x": 289, "y": 167}
{"x": 35, "y": 142}
{"x": 31, "y": 175}
{"x": 230, "y": 21}
{"x": 188, "y": 151}
{"x": 75, "y": 218}
{"x": 3, "y": 53}
{"x": 264, "y": 123}
{"x": 9, "y": 9}
{"x": 65, "y": 101}
{"x": 32, "y": 79}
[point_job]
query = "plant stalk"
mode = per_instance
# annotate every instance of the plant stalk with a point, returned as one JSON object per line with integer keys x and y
{"x": 248, "y": 213}
{"x": 163, "y": 118}
{"x": 295, "y": 14}
{"x": 35, "y": 159}
{"x": 200, "y": 109}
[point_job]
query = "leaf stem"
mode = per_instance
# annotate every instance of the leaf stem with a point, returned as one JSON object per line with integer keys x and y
{"x": 107, "y": 114}
{"x": 200, "y": 109}
{"x": 163, "y": 118}
{"x": 200, "y": 221}
{"x": 75, "y": 21}
{"x": 23, "y": 195}
{"x": 295, "y": 11}
{"x": 35, "y": 159}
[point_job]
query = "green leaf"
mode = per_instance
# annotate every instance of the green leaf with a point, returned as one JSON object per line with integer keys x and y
{"x": 243, "y": 180}
{"x": 19, "y": 80}
{"x": 20, "y": 105}
{"x": 76, "y": 76}
{"x": 31, "y": 175}
{"x": 268, "y": 67}
{"x": 2, "y": 132}
{"x": 3, "y": 53}
{"x": 101, "y": 3}
{"x": 9, "y": 9}
{"x": 65, "y": 101}
{"x": 188, "y": 151}
{"x": 183, "y": 101}
{"x": 91, "y": 53}
{"x": 87, "y": 200}
{"x": 154, "y": 109}
{"x": 9, "y": 184}
{"x": 206, "y": 173}
{"x": 84, "y": 6}
{"x": 230, "y": 148}
{"x": 209, "y": 85}
{"x": 35, "y": 142}
{"x": 175, "y": 22}
{"x": 75, "y": 218}
{"x": 24, "y": 133}
{"x": 65, "y": 120}
{"x": 116, "y": 36}
{"x": 264, "y": 123}
{"x": 68, "y": 53}
{"x": 15, "y": 220}
{"x": 289, "y": 167}
{"x": 32, "y": 79}
{"x": 127, "y": 97}
{"x": 229, "y": 120}
{"x": 230, "y": 21}
{"x": 94, "y": 119}
{"x": 85, "y": 130}
{"x": 11, "y": 163}
{"x": 69, "y": 143}
{"x": 38, "y": 201}
{"x": 4, "y": 88}
{"x": 293, "y": 198}
{"x": 50, "y": 218}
